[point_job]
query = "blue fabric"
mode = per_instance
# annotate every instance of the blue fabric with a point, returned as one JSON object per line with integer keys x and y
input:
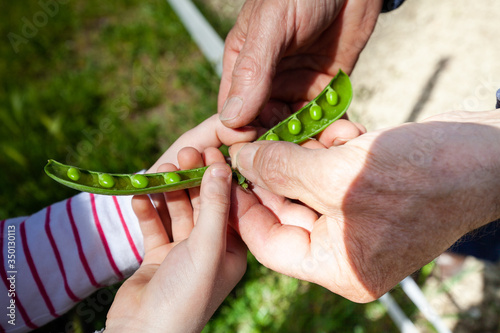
{"x": 391, "y": 5}
{"x": 483, "y": 243}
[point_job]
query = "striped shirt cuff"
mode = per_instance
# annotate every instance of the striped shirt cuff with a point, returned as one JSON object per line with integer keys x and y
{"x": 58, "y": 256}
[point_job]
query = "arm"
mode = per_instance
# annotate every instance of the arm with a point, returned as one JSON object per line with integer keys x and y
{"x": 64, "y": 253}
{"x": 387, "y": 202}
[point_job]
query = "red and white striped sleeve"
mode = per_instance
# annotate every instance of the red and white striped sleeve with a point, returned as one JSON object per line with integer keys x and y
{"x": 62, "y": 254}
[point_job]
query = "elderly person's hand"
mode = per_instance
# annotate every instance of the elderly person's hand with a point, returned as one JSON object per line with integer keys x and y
{"x": 287, "y": 51}
{"x": 379, "y": 207}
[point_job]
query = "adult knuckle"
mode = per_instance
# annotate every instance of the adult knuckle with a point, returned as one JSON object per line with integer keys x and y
{"x": 248, "y": 69}
{"x": 274, "y": 164}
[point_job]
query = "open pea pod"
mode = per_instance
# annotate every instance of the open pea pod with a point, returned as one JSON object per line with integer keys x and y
{"x": 309, "y": 121}
{"x": 123, "y": 184}
{"x": 318, "y": 114}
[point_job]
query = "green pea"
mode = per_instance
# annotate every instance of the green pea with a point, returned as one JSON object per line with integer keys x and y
{"x": 294, "y": 126}
{"x": 73, "y": 174}
{"x": 316, "y": 112}
{"x": 272, "y": 137}
{"x": 106, "y": 180}
{"x": 139, "y": 181}
{"x": 171, "y": 178}
{"x": 332, "y": 97}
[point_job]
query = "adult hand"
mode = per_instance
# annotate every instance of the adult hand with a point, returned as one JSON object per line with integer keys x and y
{"x": 288, "y": 50}
{"x": 388, "y": 202}
{"x": 188, "y": 268}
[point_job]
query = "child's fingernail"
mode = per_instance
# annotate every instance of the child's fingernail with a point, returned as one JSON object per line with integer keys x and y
{"x": 231, "y": 109}
{"x": 220, "y": 171}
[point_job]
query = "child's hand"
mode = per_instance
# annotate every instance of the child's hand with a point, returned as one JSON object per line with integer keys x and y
{"x": 192, "y": 259}
{"x": 210, "y": 133}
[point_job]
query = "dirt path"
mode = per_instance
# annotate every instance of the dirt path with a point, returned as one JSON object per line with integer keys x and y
{"x": 426, "y": 58}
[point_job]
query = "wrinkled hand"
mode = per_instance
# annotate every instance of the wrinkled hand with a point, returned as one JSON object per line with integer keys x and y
{"x": 188, "y": 268}
{"x": 387, "y": 202}
{"x": 288, "y": 51}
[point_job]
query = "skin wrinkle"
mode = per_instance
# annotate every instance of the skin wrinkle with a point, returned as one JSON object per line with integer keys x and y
{"x": 263, "y": 33}
{"x": 277, "y": 166}
{"x": 375, "y": 278}
{"x": 356, "y": 260}
{"x": 248, "y": 71}
{"x": 304, "y": 27}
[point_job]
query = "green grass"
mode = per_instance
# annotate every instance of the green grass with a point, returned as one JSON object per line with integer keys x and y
{"x": 109, "y": 86}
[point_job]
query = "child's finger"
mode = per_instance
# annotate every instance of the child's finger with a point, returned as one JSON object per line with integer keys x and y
{"x": 340, "y": 132}
{"x": 208, "y": 237}
{"x": 190, "y": 158}
{"x": 179, "y": 208}
{"x": 213, "y": 155}
{"x": 158, "y": 200}
{"x": 152, "y": 229}
{"x": 312, "y": 144}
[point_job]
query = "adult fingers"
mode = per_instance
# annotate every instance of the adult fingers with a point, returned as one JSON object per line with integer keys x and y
{"x": 254, "y": 66}
{"x": 283, "y": 168}
{"x": 340, "y": 132}
{"x": 277, "y": 246}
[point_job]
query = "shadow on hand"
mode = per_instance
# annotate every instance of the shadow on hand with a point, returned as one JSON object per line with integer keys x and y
{"x": 421, "y": 187}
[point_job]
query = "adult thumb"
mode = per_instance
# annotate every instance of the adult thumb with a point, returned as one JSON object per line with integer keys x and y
{"x": 283, "y": 168}
{"x": 249, "y": 67}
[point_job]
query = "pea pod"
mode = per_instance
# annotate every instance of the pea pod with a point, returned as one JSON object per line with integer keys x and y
{"x": 309, "y": 121}
{"x": 124, "y": 184}
{"x": 317, "y": 115}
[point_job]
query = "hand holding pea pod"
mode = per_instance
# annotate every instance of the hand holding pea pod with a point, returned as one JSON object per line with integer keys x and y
{"x": 188, "y": 269}
{"x": 280, "y": 54}
{"x": 388, "y": 202}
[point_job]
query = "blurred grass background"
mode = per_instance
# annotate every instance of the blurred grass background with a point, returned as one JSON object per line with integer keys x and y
{"x": 109, "y": 86}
